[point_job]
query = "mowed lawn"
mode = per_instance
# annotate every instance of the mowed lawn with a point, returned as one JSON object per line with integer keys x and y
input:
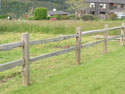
{"x": 102, "y": 76}
{"x": 96, "y": 74}
{"x": 59, "y": 75}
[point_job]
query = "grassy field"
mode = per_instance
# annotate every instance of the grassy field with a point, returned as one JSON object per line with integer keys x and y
{"x": 105, "y": 75}
{"x": 58, "y": 75}
{"x": 53, "y": 27}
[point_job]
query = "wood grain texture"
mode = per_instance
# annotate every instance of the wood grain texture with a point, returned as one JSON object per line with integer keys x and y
{"x": 78, "y": 45}
{"x": 26, "y": 66}
{"x": 10, "y": 65}
{"x": 10, "y": 46}
{"x": 100, "y": 30}
{"x": 122, "y": 34}
{"x": 52, "y": 39}
{"x": 105, "y": 39}
{"x": 114, "y": 28}
{"x": 93, "y": 31}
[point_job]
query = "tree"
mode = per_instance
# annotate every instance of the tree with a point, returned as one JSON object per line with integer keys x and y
{"x": 76, "y": 6}
{"x": 40, "y": 13}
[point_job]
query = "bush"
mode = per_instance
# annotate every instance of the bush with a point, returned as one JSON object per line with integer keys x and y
{"x": 48, "y": 18}
{"x": 40, "y": 13}
{"x": 3, "y": 16}
{"x": 88, "y": 17}
{"x": 71, "y": 17}
{"x": 112, "y": 16}
{"x": 30, "y": 18}
{"x": 60, "y": 17}
{"x": 64, "y": 17}
{"x": 56, "y": 16}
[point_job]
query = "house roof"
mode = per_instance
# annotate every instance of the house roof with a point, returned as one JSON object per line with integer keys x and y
{"x": 57, "y": 13}
{"x": 106, "y": 1}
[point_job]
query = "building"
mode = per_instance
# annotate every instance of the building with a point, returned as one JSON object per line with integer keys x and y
{"x": 100, "y": 8}
{"x": 55, "y": 12}
{"x": 0, "y": 7}
{"x": 3, "y": 6}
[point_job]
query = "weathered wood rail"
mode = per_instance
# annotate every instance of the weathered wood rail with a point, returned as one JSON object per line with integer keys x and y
{"x": 25, "y": 62}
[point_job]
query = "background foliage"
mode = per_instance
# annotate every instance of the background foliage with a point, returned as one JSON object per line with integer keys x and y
{"x": 18, "y": 8}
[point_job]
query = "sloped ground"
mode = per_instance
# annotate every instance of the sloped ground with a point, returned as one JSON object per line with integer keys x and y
{"x": 105, "y": 75}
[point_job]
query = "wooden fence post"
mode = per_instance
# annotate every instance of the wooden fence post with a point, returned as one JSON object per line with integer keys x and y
{"x": 26, "y": 66}
{"x": 78, "y": 45}
{"x": 122, "y": 34}
{"x": 105, "y": 38}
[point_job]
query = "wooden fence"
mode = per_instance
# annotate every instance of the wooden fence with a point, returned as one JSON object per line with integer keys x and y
{"x": 25, "y": 43}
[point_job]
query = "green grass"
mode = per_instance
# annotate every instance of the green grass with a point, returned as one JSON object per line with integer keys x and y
{"x": 44, "y": 69}
{"x": 102, "y": 76}
{"x": 59, "y": 74}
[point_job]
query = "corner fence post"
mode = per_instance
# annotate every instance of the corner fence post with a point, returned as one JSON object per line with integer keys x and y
{"x": 26, "y": 66}
{"x": 78, "y": 45}
{"x": 122, "y": 34}
{"x": 105, "y": 38}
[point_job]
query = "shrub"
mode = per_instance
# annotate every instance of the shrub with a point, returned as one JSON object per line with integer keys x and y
{"x": 72, "y": 16}
{"x": 48, "y": 18}
{"x": 112, "y": 16}
{"x": 40, "y": 13}
{"x": 60, "y": 17}
{"x": 64, "y": 17}
{"x": 56, "y": 16}
{"x": 88, "y": 17}
{"x": 30, "y": 18}
{"x": 3, "y": 16}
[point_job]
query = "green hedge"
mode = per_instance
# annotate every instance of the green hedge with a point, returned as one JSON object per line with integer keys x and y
{"x": 40, "y": 13}
{"x": 88, "y": 17}
{"x": 60, "y": 17}
{"x": 3, "y": 16}
{"x": 55, "y": 16}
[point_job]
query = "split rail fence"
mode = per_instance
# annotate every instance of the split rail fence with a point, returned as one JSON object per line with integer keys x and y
{"x": 25, "y": 43}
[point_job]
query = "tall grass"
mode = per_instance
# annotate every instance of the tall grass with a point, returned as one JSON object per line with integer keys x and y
{"x": 52, "y": 27}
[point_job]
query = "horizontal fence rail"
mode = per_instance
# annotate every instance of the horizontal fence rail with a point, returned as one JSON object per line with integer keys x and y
{"x": 52, "y": 39}
{"x": 100, "y": 30}
{"x": 26, "y": 60}
{"x": 11, "y": 65}
{"x": 70, "y": 49}
{"x": 52, "y": 54}
{"x": 10, "y": 46}
{"x": 114, "y": 28}
{"x": 93, "y": 31}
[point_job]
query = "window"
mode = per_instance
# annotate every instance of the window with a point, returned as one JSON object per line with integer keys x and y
{"x": 92, "y": 5}
{"x": 103, "y": 6}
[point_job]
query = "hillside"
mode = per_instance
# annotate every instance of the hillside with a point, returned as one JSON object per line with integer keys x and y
{"x": 17, "y": 8}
